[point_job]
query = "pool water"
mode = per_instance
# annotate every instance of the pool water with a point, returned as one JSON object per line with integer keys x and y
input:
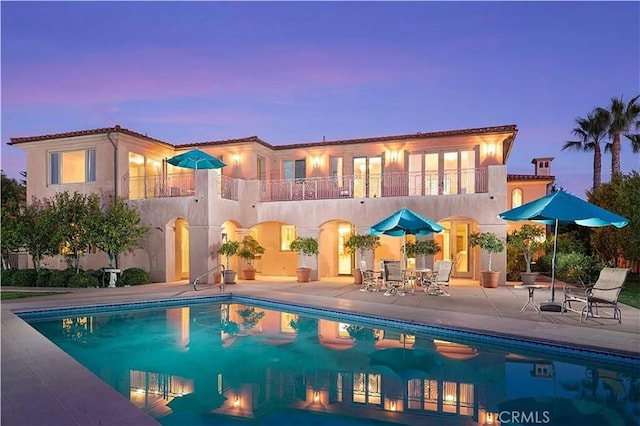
{"x": 229, "y": 363}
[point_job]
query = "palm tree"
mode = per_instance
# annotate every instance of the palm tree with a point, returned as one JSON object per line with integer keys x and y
{"x": 622, "y": 117}
{"x": 635, "y": 141}
{"x": 591, "y": 131}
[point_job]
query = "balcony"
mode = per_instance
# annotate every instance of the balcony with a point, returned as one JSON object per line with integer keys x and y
{"x": 173, "y": 185}
{"x": 465, "y": 181}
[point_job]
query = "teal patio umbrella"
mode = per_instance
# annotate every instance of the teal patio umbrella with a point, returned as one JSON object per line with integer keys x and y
{"x": 196, "y": 159}
{"x": 562, "y": 208}
{"x": 405, "y": 222}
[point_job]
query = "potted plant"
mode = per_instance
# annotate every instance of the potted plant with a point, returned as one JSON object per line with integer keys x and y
{"x": 492, "y": 244}
{"x": 359, "y": 244}
{"x": 228, "y": 249}
{"x": 305, "y": 246}
{"x": 528, "y": 239}
{"x": 249, "y": 248}
{"x": 422, "y": 248}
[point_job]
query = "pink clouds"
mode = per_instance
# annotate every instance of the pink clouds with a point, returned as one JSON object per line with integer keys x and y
{"x": 155, "y": 74}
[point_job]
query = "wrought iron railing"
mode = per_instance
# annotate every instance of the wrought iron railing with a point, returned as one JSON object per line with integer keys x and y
{"x": 465, "y": 181}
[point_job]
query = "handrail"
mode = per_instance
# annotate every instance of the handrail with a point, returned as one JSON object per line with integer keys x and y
{"x": 218, "y": 266}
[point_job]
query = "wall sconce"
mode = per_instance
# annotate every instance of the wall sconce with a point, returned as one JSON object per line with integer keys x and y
{"x": 236, "y": 159}
{"x": 491, "y": 149}
{"x": 392, "y": 406}
{"x": 394, "y": 156}
{"x": 236, "y": 402}
{"x": 316, "y": 162}
{"x": 489, "y": 420}
{"x": 316, "y": 397}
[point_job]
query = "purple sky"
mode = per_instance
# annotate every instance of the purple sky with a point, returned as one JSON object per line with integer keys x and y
{"x": 292, "y": 72}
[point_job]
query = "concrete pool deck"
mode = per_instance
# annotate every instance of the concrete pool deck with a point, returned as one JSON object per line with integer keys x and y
{"x": 41, "y": 385}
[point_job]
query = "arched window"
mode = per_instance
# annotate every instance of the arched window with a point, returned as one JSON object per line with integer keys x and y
{"x": 516, "y": 198}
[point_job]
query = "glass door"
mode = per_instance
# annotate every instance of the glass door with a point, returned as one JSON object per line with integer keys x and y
{"x": 455, "y": 246}
{"x": 367, "y": 177}
{"x": 344, "y": 258}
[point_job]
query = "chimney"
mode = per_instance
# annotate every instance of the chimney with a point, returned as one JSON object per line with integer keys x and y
{"x": 542, "y": 166}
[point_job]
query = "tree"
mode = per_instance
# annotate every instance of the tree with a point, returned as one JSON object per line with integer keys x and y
{"x": 361, "y": 243}
{"x": 78, "y": 217}
{"x": 621, "y": 196}
{"x": 119, "y": 230}
{"x": 622, "y": 118}
{"x": 37, "y": 224}
{"x": 590, "y": 132}
{"x": 13, "y": 201}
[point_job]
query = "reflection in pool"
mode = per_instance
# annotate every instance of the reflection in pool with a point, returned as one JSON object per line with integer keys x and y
{"x": 228, "y": 363}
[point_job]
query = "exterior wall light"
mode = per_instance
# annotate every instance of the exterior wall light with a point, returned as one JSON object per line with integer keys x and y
{"x": 236, "y": 159}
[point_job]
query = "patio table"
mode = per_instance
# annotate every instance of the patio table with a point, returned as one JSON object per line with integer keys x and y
{"x": 530, "y": 300}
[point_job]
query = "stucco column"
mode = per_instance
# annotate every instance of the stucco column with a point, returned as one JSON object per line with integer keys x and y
{"x": 311, "y": 261}
{"x": 203, "y": 242}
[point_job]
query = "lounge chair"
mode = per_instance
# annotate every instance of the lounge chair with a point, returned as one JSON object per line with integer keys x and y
{"x": 391, "y": 276}
{"x": 370, "y": 278}
{"x": 440, "y": 278}
{"x": 603, "y": 294}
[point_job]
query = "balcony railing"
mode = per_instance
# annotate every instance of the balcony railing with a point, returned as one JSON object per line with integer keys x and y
{"x": 465, "y": 181}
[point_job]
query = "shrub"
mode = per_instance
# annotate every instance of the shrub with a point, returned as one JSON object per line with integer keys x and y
{"x": 6, "y": 276}
{"x": 83, "y": 279}
{"x": 25, "y": 278}
{"x": 577, "y": 268}
{"x": 133, "y": 276}
{"x": 60, "y": 278}
{"x": 44, "y": 278}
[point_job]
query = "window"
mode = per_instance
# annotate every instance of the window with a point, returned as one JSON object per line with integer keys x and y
{"x": 294, "y": 169}
{"x": 516, "y": 198}
{"x": 336, "y": 170}
{"x": 287, "y": 235}
{"x": 72, "y": 167}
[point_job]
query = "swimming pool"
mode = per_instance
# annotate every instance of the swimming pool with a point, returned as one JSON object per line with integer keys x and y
{"x": 198, "y": 362}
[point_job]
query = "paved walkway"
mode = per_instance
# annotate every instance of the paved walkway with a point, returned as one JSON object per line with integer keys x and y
{"x": 41, "y": 385}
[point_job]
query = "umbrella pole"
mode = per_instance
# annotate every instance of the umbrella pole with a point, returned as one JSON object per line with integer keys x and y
{"x": 552, "y": 305}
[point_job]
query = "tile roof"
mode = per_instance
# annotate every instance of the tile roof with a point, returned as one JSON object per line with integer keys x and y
{"x": 511, "y": 177}
{"x": 419, "y": 135}
{"x": 115, "y": 129}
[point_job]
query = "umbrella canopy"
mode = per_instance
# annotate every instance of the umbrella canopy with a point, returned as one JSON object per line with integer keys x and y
{"x": 563, "y": 208}
{"x": 196, "y": 159}
{"x": 404, "y": 222}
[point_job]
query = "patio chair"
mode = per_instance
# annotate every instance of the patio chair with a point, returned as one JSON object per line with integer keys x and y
{"x": 440, "y": 278}
{"x": 392, "y": 277}
{"x": 370, "y": 278}
{"x": 603, "y": 294}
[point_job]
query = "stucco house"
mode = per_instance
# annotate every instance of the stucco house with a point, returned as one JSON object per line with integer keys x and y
{"x": 325, "y": 189}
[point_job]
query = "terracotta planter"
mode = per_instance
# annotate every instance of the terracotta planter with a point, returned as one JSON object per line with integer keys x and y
{"x": 490, "y": 279}
{"x": 528, "y": 278}
{"x": 303, "y": 274}
{"x": 249, "y": 274}
{"x": 357, "y": 276}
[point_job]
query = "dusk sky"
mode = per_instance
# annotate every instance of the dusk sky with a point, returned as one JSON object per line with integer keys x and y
{"x": 293, "y": 72}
